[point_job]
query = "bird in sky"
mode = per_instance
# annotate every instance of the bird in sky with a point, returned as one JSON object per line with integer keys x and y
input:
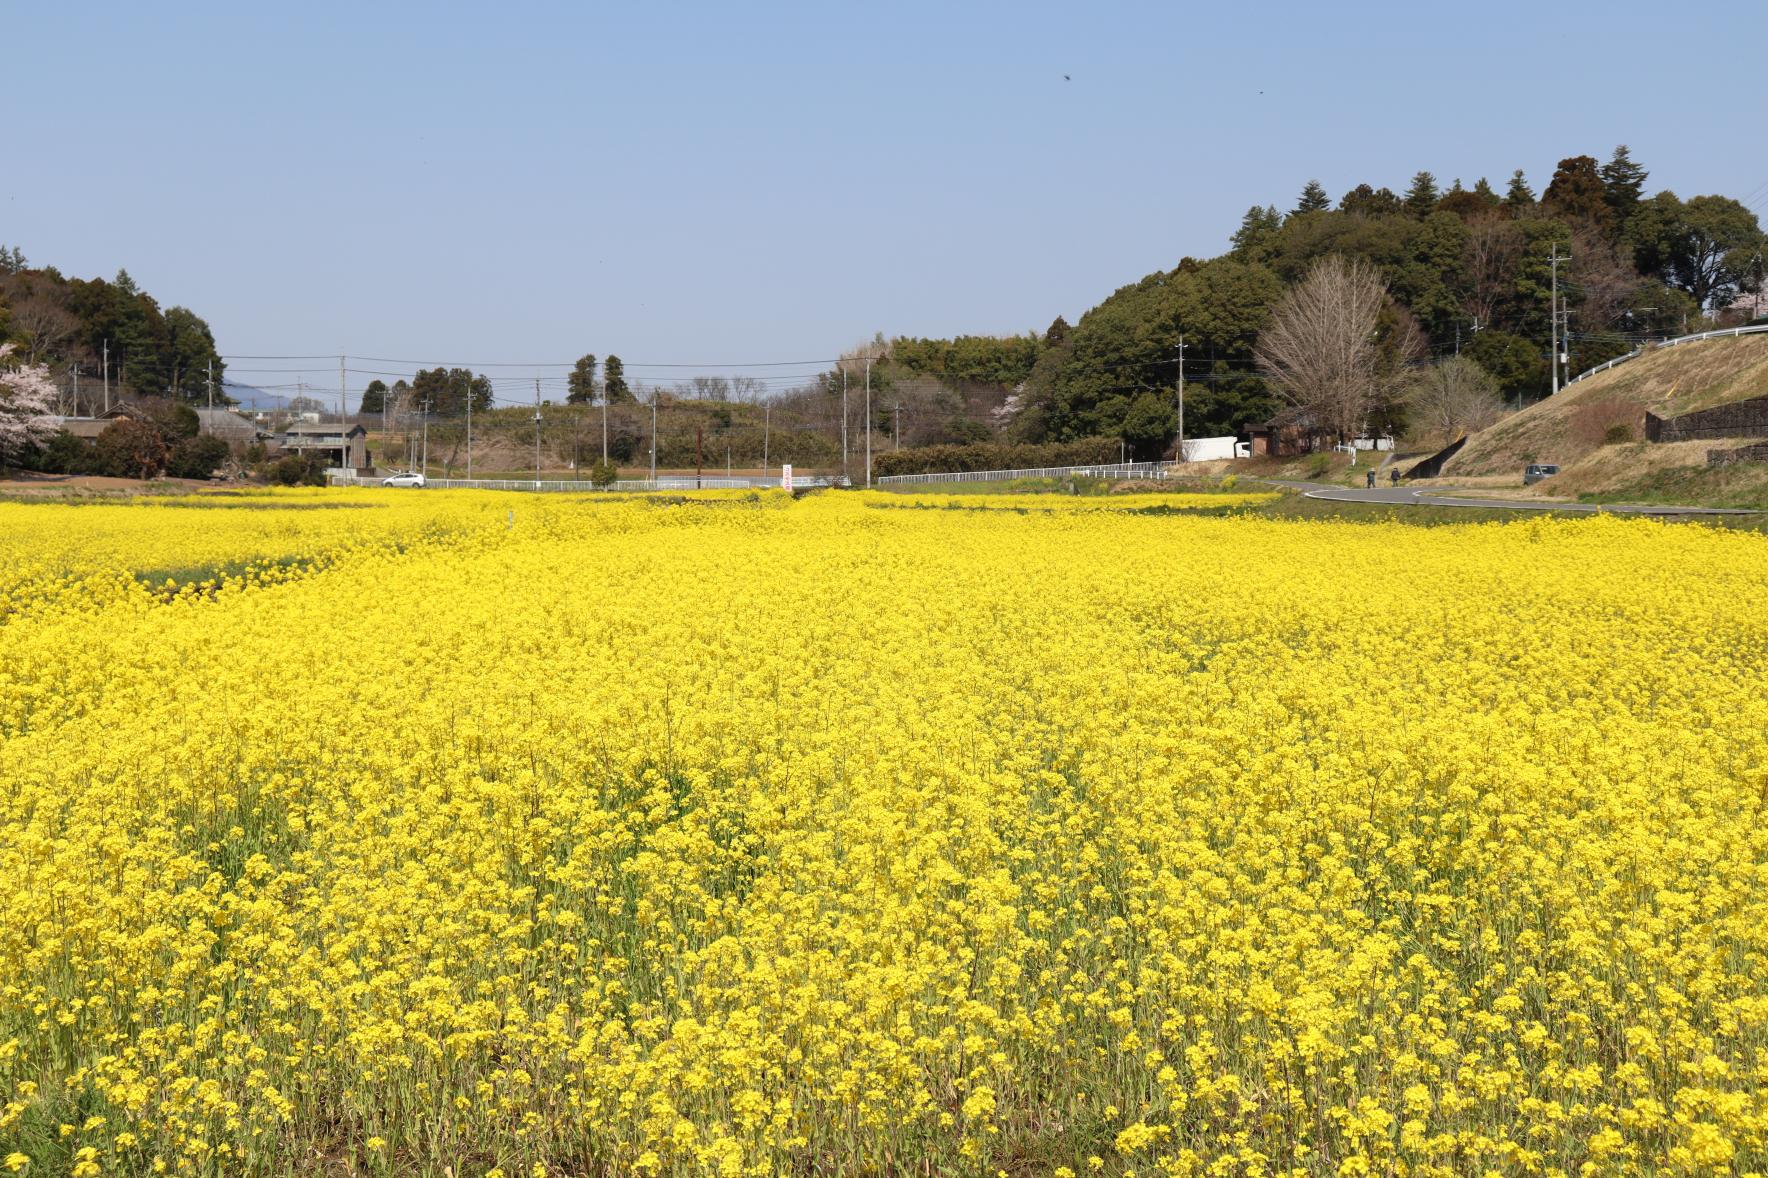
{"x": 1066, "y": 78}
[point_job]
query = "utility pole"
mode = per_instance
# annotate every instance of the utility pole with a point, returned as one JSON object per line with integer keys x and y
{"x": 653, "y": 438}
{"x": 868, "y": 417}
{"x": 604, "y": 421}
{"x": 426, "y": 470}
{"x": 107, "y": 376}
{"x": 844, "y": 421}
{"x": 896, "y": 427}
{"x": 76, "y": 369}
{"x": 537, "y": 433}
{"x": 209, "y": 379}
{"x": 469, "y": 428}
{"x": 1181, "y": 453}
{"x": 1553, "y": 261}
{"x": 343, "y": 422}
{"x": 699, "y": 453}
{"x": 766, "y": 430}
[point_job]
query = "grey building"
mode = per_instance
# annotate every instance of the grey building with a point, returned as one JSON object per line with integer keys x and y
{"x": 230, "y": 426}
{"x": 334, "y": 444}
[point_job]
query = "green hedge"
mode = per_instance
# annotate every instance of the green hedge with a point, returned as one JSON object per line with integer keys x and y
{"x": 995, "y": 456}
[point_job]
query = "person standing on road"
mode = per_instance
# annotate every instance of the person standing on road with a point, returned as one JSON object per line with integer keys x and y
{"x": 1393, "y": 476}
{"x": 1369, "y": 479}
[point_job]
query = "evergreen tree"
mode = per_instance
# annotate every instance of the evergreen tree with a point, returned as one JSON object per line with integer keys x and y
{"x": 1576, "y": 191}
{"x": 1519, "y": 195}
{"x": 582, "y": 381}
{"x": 374, "y": 397}
{"x": 1058, "y": 331}
{"x": 125, "y": 283}
{"x": 1623, "y": 183}
{"x": 189, "y": 357}
{"x": 447, "y": 390}
{"x": 1149, "y": 426}
{"x": 1422, "y": 197}
{"x": 614, "y": 385}
{"x": 1461, "y": 202}
{"x": 1364, "y": 201}
{"x": 1256, "y": 229}
{"x": 1313, "y": 199}
{"x": 1483, "y": 190}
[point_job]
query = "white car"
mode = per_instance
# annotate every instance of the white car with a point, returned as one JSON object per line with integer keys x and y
{"x": 409, "y": 479}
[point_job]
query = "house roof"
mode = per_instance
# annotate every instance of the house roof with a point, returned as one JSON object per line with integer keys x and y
{"x": 226, "y": 423}
{"x": 89, "y": 427}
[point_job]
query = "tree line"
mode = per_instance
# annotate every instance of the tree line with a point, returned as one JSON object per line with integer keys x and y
{"x": 67, "y": 323}
{"x": 1462, "y": 272}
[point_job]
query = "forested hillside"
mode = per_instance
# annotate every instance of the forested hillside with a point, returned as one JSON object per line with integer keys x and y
{"x": 66, "y": 323}
{"x": 1467, "y": 269}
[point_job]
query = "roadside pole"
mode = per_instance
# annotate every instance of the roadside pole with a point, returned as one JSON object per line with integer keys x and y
{"x": 1180, "y": 455}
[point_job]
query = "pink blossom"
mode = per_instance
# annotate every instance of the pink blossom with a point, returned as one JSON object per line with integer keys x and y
{"x": 27, "y": 405}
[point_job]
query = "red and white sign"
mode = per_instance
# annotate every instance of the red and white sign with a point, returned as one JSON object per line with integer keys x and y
{"x": 786, "y": 477}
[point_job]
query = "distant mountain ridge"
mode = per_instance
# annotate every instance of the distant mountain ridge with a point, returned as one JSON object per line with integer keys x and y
{"x": 251, "y": 397}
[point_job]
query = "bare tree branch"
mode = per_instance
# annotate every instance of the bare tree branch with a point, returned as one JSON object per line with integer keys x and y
{"x": 1319, "y": 352}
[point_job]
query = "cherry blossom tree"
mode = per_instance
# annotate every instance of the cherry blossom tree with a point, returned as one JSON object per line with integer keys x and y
{"x": 27, "y": 405}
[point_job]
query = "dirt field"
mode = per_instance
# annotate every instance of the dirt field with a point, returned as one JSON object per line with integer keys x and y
{"x": 29, "y": 483}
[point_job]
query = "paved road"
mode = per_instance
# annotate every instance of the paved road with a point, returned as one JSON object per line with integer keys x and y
{"x": 1458, "y": 497}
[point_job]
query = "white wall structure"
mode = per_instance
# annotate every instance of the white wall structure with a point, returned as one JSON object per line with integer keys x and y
{"x": 1381, "y": 443}
{"x": 1209, "y": 449}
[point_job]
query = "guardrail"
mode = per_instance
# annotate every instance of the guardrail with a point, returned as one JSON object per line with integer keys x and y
{"x": 1108, "y": 470}
{"x": 1721, "y": 333}
{"x": 584, "y": 486}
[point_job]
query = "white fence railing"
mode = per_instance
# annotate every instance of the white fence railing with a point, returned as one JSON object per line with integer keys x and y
{"x": 1109, "y": 470}
{"x": 1669, "y": 343}
{"x": 666, "y": 483}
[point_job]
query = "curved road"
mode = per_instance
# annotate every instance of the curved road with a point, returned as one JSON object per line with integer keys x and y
{"x": 1456, "y": 497}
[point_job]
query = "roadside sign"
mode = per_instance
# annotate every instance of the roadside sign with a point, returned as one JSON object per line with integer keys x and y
{"x": 786, "y": 477}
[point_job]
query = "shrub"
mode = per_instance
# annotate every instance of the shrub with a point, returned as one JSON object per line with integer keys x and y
{"x": 1594, "y": 423}
{"x": 175, "y": 420}
{"x": 129, "y": 449}
{"x": 296, "y": 470}
{"x": 197, "y": 458}
{"x": 604, "y": 474}
{"x": 63, "y": 453}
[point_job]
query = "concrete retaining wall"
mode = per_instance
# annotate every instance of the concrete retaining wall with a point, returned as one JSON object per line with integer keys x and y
{"x": 1757, "y": 453}
{"x": 1740, "y": 419}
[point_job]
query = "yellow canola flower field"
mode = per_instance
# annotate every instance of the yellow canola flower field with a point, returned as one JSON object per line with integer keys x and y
{"x": 1051, "y": 501}
{"x": 442, "y": 833}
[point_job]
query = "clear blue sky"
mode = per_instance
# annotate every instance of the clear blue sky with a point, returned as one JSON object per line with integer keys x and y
{"x": 769, "y": 181}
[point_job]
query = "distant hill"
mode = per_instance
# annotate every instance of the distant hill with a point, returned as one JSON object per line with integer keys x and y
{"x": 249, "y": 397}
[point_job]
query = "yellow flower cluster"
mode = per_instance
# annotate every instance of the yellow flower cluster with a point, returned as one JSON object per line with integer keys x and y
{"x": 395, "y": 832}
